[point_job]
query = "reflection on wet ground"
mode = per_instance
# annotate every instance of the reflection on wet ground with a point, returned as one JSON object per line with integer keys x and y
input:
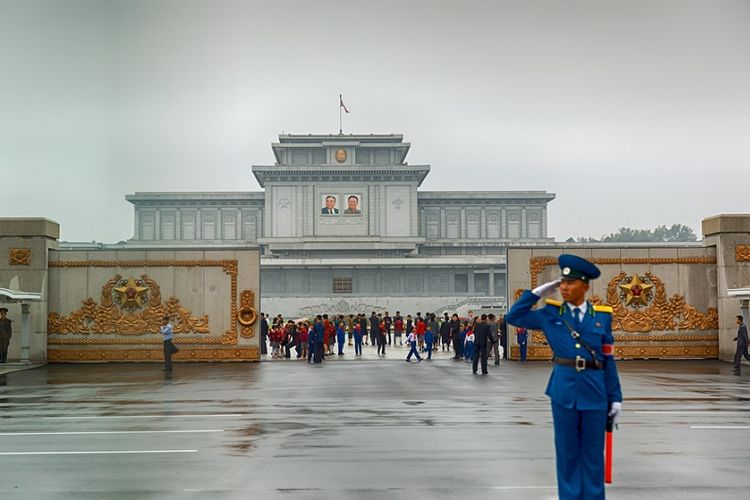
{"x": 363, "y": 429}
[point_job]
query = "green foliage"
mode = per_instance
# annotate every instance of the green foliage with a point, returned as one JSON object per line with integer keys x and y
{"x": 676, "y": 233}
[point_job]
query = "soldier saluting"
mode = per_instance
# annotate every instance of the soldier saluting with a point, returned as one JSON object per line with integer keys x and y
{"x": 5, "y": 333}
{"x": 584, "y": 386}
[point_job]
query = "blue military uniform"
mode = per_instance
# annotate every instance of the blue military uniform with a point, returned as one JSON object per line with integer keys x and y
{"x": 581, "y": 390}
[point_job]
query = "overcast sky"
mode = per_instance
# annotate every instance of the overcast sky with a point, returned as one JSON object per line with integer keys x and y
{"x": 634, "y": 113}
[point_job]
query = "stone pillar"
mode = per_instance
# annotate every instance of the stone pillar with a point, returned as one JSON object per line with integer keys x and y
{"x": 25, "y": 332}
{"x": 730, "y": 235}
{"x": 25, "y": 244}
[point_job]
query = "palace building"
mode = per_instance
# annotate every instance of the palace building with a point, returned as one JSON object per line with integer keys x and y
{"x": 343, "y": 228}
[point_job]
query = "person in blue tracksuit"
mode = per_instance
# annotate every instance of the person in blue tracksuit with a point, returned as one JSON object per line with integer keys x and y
{"x": 317, "y": 336}
{"x": 429, "y": 339}
{"x": 584, "y": 386}
{"x": 341, "y": 337}
{"x": 357, "y": 339}
{"x": 522, "y": 338}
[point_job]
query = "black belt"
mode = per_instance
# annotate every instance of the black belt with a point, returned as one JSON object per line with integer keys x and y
{"x": 578, "y": 363}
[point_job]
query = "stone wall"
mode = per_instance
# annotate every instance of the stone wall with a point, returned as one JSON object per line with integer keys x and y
{"x": 106, "y": 305}
{"x": 24, "y": 246}
{"x": 676, "y": 317}
{"x": 729, "y": 237}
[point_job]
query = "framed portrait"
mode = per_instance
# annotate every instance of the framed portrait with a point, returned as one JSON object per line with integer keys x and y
{"x": 329, "y": 204}
{"x": 353, "y": 204}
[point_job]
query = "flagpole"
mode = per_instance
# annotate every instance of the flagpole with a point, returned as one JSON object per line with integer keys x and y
{"x": 341, "y": 128}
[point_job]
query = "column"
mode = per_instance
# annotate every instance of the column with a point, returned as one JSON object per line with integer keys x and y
{"x": 25, "y": 332}
{"x": 483, "y": 225}
{"x": 137, "y": 224}
{"x": 157, "y": 224}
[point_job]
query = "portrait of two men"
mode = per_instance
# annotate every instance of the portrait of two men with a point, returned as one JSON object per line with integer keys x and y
{"x": 330, "y": 205}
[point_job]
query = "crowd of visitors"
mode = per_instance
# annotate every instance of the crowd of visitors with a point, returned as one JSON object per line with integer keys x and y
{"x": 473, "y": 338}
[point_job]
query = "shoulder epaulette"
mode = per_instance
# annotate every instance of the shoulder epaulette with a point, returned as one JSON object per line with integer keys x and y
{"x": 604, "y": 309}
{"x": 552, "y": 302}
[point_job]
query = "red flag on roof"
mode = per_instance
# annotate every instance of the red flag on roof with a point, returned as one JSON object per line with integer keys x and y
{"x": 341, "y": 104}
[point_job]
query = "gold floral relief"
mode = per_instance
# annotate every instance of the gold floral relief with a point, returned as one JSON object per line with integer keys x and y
{"x": 742, "y": 253}
{"x": 641, "y": 305}
{"x": 634, "y": 352}
{"x": 128, "y": 307}
{"x": 134, "y": 306}
{"x": 20, "y": 257}
{"x": 156, "y": 355}
{"x": 661, "y": 313}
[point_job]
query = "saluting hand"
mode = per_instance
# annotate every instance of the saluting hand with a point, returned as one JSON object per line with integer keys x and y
{"x": 546, "y": 289}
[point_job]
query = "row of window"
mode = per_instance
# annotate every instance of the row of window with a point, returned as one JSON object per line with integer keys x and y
{"x": 211, "y": 227}
{"x": 428, "y": 282}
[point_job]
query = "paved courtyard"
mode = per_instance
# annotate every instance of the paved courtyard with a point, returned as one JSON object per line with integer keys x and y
{"x": 356, "y": 429}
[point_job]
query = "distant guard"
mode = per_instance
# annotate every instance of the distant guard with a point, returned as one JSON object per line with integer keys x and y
{"x": 584, "y": 386}
{"x": 6, "y": 331}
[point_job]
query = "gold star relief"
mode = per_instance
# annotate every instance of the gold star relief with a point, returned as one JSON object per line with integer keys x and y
{"x": 637, "y": 291}
{"x": 131, "y": 295}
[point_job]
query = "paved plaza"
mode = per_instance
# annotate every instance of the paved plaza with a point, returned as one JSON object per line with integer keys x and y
{"x": 356, "y": 429}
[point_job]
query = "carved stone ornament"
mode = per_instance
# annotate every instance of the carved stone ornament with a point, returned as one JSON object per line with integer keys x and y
{"x": 127, "y": 309}
{"x": 640, "y": 306}
{"x": 93, "y": 316}
{"x": 341, "y": 155}
{"x": 61, "y": 355}
{"x": 661, "y": 314}
{"x": 742, "y": 253}
{"x": 20, "y": 256}
{"x": 247, "y": 315}
{"x": 636, "y": 291}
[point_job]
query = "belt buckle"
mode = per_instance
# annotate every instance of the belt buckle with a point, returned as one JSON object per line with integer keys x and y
{"x": 580, "y": 364}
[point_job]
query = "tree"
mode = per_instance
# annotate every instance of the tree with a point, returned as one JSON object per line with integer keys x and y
{"x": 676, "y": 233}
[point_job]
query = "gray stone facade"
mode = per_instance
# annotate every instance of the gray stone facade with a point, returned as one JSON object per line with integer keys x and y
{"x": 381, "y": 242}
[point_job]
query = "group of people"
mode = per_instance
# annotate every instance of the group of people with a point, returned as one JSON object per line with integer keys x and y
{"x": 466, "y": 337}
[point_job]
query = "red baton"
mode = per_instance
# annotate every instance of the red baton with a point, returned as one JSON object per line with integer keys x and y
{"x": 608, "y": 452}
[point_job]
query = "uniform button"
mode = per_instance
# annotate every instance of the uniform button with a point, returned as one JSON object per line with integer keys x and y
{"x": 578, "y": 346}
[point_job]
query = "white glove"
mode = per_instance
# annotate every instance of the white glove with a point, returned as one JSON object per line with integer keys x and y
{"x": 614, "y": 411}
{"x": 546, "y": 289}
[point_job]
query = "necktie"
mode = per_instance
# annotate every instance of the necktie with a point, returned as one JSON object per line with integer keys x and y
{"x": 576, "y": 317}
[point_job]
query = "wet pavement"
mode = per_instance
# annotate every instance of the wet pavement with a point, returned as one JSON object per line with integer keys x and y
{"x": 366, "y": 429}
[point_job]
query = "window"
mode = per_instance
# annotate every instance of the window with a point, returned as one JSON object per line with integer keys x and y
{"x": 499, "y": 284}
{"x": 230, "y": 227}
{"x": 167, "y": 226}
{"x": 342, "y": 284}
{"x": 147, "y": 227}
{"x": 461, "y": 283}
{"x": 188, "y": 226}
{"x": 482, "y": 283}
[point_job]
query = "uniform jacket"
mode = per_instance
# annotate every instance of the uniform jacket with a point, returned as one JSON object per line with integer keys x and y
{"x": 482, "y": 334}
{"x": 741, "y": 338}
{"x": 585, "y": 390}
{"x": 5, "y": 328}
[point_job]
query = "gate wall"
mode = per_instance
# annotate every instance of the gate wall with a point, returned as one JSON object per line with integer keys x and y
{"x": 107, "y": 305}
{"x": 674, "y": 313}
